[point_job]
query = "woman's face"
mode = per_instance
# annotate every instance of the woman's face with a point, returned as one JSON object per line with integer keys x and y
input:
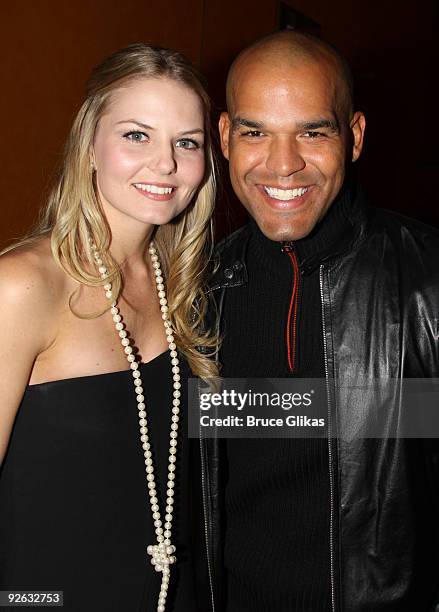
{"x": 148, "y": 151}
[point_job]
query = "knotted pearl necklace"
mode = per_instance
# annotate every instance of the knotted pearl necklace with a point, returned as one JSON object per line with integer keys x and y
{"x": 162, "y": 552}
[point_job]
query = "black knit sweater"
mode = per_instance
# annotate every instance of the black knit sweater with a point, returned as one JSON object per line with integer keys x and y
{"x": 277, "y": 494}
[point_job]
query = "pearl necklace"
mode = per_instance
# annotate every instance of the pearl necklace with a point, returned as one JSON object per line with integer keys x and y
{"x": 161, "y": 552}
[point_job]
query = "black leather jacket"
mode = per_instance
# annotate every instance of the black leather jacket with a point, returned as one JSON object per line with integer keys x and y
{"x": 380, "y": 313}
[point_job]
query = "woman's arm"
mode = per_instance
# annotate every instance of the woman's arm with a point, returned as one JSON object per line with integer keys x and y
{"x": 26, "y": 306}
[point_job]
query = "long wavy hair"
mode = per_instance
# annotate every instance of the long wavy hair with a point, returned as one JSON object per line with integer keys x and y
{"x": 73, "y": 214}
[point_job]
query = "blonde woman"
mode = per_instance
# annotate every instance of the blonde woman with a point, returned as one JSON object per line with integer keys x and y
{"x": 100, "y": 308}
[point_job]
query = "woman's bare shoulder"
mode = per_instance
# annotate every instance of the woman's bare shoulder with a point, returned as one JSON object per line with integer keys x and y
{"x": 30, "y": 277}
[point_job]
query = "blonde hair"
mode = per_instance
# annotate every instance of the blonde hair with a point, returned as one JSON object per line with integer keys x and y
{"x": 73, "y": 213}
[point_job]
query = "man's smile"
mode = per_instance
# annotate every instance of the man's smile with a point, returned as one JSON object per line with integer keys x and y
{"x": 284, "y": 194}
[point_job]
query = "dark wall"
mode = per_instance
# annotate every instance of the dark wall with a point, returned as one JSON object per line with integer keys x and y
{"x": 48, "y": 48}
{"x": 393, "y": 49}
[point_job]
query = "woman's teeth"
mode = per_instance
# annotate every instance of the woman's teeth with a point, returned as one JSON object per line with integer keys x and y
{"x": 154, "y": 188}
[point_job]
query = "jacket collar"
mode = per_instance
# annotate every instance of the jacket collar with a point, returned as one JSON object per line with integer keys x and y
{"x": 231, "y": 253}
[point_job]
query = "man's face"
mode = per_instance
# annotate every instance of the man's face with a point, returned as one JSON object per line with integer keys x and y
{"x": 287, "y": 140}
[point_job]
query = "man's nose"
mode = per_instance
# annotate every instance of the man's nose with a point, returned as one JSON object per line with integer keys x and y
{"x": 284, "y": 157}
{"x": 162, "y": 159}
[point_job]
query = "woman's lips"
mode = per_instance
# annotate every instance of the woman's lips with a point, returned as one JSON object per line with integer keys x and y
{"x": 156, "y": 191}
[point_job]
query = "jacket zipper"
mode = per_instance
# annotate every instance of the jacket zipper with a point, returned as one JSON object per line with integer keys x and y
{"x": 331, "y": 476}
{"x": 206, "y": 531}
{"x": 291, "y": 334}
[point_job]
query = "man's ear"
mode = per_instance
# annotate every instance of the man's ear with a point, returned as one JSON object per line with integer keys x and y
{"x": 224, "y": 130}
{"x": 358, "y": 126}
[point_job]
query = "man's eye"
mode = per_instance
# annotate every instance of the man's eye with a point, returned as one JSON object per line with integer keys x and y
{"x": 253, "y": 134}
{"x": 187, "y": 143}
{"x": 136, "y": 136}
{"x": 313, "y": 135}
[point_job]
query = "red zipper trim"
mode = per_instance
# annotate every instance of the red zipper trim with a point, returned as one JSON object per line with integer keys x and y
{"x": 292, "y": 312}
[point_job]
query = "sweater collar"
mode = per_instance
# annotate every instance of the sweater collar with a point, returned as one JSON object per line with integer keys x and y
{"x": 329, "y": 237}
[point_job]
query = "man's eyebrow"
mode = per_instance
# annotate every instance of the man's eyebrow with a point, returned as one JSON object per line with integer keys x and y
{"x": 318, "y": 124}
{"x": 248, "y": 123}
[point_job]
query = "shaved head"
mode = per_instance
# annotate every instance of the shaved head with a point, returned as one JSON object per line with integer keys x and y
{"x": 291, "y": 49}
{"x": 289, "y": 132}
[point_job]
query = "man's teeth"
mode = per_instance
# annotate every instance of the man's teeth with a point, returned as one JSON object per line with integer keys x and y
{"x": 285, "y": 194}
{"x": 154, "y": 188}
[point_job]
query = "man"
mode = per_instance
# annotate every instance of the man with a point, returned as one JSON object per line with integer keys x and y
{"x": 319, "y": 286}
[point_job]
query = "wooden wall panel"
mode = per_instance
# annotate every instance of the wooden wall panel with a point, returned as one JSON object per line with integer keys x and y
{"x": 48, "y": 47}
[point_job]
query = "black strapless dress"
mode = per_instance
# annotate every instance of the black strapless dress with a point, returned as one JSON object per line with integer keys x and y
{"x": 74, "y": 507}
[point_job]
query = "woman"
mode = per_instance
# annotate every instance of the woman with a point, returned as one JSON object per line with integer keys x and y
{"x": 84, "y": 364}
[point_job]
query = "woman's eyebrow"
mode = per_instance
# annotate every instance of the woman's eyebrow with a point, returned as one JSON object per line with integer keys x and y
{"x": 139, "y": 123}
{"x": 149, "y": 127}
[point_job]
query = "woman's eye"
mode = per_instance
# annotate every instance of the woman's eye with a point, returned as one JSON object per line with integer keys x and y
{"x": 135, "y": 136}
{"x": 187, "y": 143}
